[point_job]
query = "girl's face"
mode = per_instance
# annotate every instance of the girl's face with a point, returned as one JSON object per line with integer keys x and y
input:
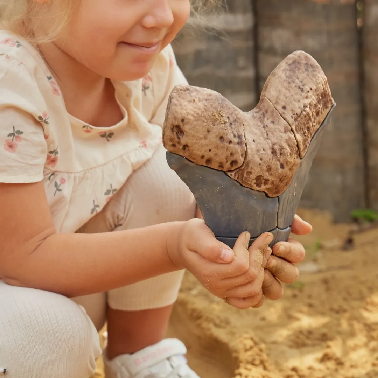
{"x": 120, "y": 39}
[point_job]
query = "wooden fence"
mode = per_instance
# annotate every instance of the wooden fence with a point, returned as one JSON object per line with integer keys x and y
{"x": 255, "y": 35}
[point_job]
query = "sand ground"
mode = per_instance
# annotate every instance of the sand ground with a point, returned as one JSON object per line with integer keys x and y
{"x": 326, "y": 325}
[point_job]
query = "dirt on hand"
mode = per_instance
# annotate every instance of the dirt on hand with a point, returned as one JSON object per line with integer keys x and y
{"x": 325, "y": 325}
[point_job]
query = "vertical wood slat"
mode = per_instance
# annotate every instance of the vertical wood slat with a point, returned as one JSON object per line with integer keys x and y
{"x": 370, "y": 57}
{"x": 222, "y": 60}
{"x": 328, "y": 32}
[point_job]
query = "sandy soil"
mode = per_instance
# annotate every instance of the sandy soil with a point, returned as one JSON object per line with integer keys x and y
{"x": 326, "y": 325}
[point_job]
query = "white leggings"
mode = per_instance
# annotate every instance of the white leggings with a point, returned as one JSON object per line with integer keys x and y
{"x": 46, "y": 335}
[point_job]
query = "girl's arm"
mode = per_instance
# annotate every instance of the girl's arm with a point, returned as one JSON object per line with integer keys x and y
{"x": 32, "y": 254}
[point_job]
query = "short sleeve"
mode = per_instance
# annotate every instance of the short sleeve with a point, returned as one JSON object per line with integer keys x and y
{"x": 167, "y": 75}
{"x": 23, "y": 148}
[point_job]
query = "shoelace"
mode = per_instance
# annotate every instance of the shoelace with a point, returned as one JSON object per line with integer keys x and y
{"x": 175, "y": 373}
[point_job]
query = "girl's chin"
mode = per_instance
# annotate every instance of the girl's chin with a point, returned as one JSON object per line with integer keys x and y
{"x": 135, "y": 72}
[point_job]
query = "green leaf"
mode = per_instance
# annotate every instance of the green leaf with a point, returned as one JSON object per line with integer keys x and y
{"x": 19, "y": 132}
{"x": 297, "y": 285}
{"x": 40, "y": 118}
{"x": 107, "y": 192}
{"x": 366, "y": 215}
{"x": 10, "y": 135}
{"x": 317, "y": 245}
{"x": 59, "y": 190}
{"x": 51, "y": 152}
{"x": 56, "y": 184}
{"x": 93, "y": 210}
{"x": 103, "y": 135}
{"x": 110, "y": 135}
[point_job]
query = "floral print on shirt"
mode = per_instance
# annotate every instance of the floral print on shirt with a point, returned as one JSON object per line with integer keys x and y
{"x": 11, "y": 42}
{"x": 87, "y": 129}
{"x": 54, "y": 86}
{"x": 110, "y": 192}
{"x": 143, "y": 144}
{"x": 146, "y": 84}
{"x": 58, "y": 185}
{"x": 107, "y": 136}
{"x": 52, "y": 158}
{"x": 14, "y": 137}
{"x": 94, "y": 208}
{"x": 44, "y": 118}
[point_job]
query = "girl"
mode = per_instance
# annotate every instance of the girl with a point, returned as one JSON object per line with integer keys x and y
{"x": 83, "y": 91}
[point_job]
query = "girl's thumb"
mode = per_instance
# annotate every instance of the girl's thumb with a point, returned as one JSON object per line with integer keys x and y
{"x": 214, "y": 250}
{"x": 207, "y": 246}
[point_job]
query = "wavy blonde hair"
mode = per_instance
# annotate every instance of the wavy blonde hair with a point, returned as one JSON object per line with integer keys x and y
{"x": 21, "y": 16}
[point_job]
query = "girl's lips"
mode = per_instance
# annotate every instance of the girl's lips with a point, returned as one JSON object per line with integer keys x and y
{"x": 144, "y": 49}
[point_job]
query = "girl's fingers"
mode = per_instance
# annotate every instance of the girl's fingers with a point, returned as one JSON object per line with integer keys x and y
{"x": 300, "y": 227}
{"x": 206, "y": 245}
{"x": 244, "y": 303}
{"x": 250, "y": 289}
{"x": 198, "y": 213}
{"x": 261, "y": 243}
{"x": 258, "y": 305}
{"x": 271, "y": 287}
{"x": 214, "y": 266}
{"x": 291, "y": 251}
{"x": 240, "y": 265}
{"x": 257, "y": 254}
{"x": 282, "y": 270}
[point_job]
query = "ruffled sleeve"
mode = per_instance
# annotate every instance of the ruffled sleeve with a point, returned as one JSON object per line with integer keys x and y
{"x": 23, "y": 148}
{"x": 167, "y": 75}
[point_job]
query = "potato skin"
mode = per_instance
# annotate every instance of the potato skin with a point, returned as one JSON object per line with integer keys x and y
{"x": 272, "y": 153}
{"x": 261, "y": 149}
{"x": 204, "y": 127}
{"x": 299, "y": 90}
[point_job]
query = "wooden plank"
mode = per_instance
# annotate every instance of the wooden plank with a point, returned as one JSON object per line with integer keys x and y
{"x": 223, "y": 58}
{"x": 328, "y": 32}
{"x": 370, "y": 54}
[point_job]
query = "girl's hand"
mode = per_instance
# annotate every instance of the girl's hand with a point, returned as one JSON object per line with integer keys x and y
{"x": 280, "y": 265}
{"x": 233, "y": 275}
{"x": 245, "y": 291}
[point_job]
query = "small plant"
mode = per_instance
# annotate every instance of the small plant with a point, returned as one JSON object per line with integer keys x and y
{"x": 312, "y": 250}
{"x": 317, "y": 245}
{"x": 297, "y": 285}
{"x": 364, "y": 215}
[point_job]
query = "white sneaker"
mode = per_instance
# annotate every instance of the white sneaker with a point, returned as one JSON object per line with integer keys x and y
{"x": 163, "y": 360}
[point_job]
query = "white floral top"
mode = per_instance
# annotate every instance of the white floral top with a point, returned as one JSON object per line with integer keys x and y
{"x": 81, "y": 166}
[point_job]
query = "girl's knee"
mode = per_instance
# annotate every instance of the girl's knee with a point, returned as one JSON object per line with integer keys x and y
{"x": 44, "y": 334}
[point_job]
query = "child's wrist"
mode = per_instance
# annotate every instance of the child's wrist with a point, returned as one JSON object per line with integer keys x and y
{"x": 173, "y": 249}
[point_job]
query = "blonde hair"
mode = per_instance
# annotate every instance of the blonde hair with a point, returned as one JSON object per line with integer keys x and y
{"x": 22, "y": 16}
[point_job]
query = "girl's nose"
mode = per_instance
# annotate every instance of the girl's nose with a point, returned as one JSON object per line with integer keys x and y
{"x": 159, "y": 16}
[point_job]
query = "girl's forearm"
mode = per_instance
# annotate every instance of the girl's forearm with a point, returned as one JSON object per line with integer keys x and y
{"x": 80, "y": 264}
